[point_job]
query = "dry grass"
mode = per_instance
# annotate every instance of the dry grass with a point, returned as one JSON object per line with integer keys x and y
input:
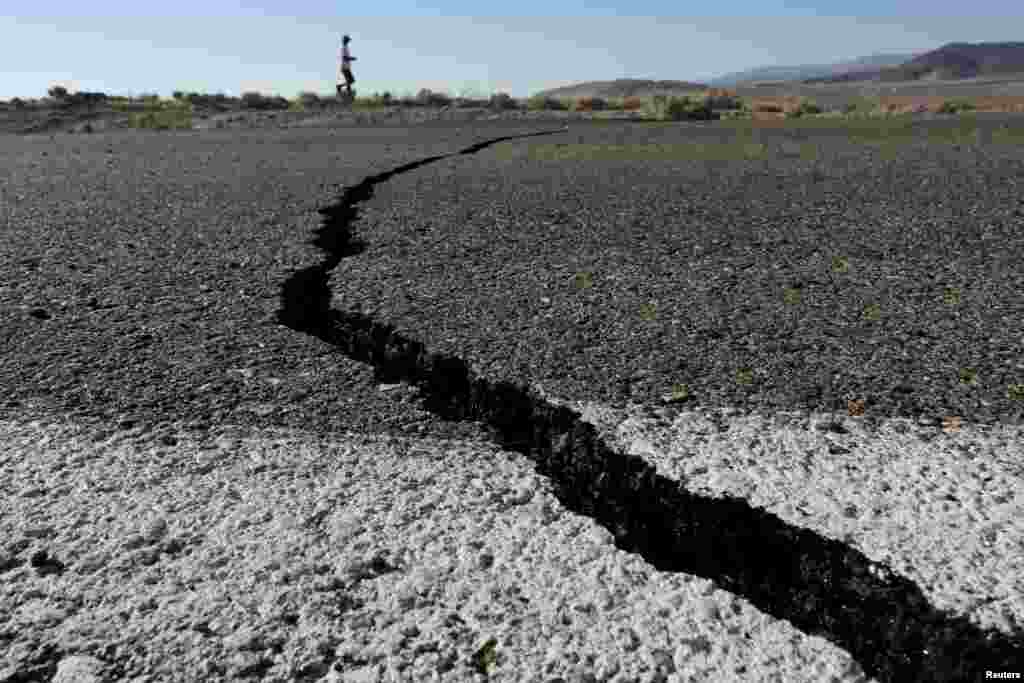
{"x": 910, "y": 103}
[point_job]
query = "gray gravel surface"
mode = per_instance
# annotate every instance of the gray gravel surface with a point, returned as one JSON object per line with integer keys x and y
{"x": 194, "y": 491}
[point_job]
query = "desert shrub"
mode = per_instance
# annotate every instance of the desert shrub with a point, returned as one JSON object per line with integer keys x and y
{"x": 58, "y": 92}
{"x": 309, "y": 100}
{"x": 735, "y": 114}
{"x": 956, "y": 106}
{"x": 374, "y": 101}
{"x": 684, "y": 108}
{"x": 803, "y": 109}
{"x": 428, "y": 98}
{"x": 254, "y": 100}
{"x": 729, "y": 102}
{"x": 540, "y": 102}
{"x": 88, "y": 97}
{"x": 666, "y": 108}
{"x": 149, "y": 98}
{"x": 408, "y": 101}
{"x": 590, "y": 104}
{"x": 502, "y": 101}
{"x": 219, "y": 101}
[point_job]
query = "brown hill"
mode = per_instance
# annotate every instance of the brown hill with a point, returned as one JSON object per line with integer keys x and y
{"x": 622, "y": 87}
{"x": 961, "y": 60}
{"x": 955, "y": 61}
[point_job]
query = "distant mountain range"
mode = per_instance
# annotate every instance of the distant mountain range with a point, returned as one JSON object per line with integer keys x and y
{"x": 623, "y": 87}
{"x": 951, "y": 62}
{"x": 803, "y": 72}
{"x": 954, "y": 61}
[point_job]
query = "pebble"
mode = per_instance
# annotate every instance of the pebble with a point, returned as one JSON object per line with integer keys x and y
{"x": 79, "y": 669}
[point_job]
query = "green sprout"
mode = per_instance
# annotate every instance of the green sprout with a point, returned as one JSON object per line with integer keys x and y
{"x": 680, "y": 392}
{"x": 584, "y": 280}
{"x": 968, "y": 376}
{"x": 745, "y": 376}
{"x": 486, "y": 657}
{"x": 840, "y": 264}
{"x": 647, "y": 311}
{"x": 872, "y": 312}
{"x": 791, "y": 295}
{"x": 951, "y": 296}
{"x": 1015, "y": 392}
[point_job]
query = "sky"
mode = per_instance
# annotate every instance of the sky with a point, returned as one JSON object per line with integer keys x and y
{"x": 284, "y": 48}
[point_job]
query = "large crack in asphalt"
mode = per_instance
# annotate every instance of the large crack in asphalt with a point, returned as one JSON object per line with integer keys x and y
{"x": 822, "y": 586}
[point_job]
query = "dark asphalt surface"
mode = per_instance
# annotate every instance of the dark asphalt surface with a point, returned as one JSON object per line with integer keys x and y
{"x": 147, "y": 278}
{"x": 477, "y": 258}
{"x": 142, "y": 273}
{"x": 142, "y": 277}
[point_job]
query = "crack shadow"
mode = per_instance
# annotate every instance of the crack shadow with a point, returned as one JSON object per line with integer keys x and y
{"x": 822, "y": 586}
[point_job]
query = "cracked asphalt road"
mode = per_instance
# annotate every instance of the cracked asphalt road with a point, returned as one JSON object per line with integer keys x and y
{"x": 150, "y": 270}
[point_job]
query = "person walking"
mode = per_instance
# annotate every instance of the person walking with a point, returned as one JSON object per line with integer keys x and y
{"x": 346, "y": 60}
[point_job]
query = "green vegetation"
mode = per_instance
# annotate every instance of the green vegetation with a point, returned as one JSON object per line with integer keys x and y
{"x": 254, "y": 100}
{"x": 805, "y": 108}
{"x": 625, "y": 152}
{"x": 664, "y": 108}
{"x": 162, "y": 118}
{"x": 305, "y": 101}
{"x": 864, "y": 119}
{"x": 1006, "y": 135}
{"x": 375, "y": 101}
{"x": 539, "y": 103}
{"x": 151, "y": 112}
{"x": 956, "y": 106}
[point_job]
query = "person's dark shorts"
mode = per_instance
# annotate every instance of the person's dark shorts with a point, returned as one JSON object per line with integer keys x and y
{"x": 349, "y": 78}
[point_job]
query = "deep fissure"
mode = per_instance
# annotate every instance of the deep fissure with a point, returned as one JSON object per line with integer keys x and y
{"x": 822, "y": 586}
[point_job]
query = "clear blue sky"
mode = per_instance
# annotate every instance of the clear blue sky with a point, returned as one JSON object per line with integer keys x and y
{"x": 233, "y": 46}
